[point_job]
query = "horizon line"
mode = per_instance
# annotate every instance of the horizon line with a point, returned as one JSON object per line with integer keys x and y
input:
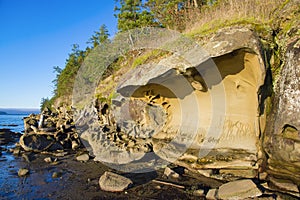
{"x": 20, "y": 108}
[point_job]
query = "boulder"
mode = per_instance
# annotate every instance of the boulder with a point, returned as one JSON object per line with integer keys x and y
{"x": 113, "y": 182}
{"x": 29, "y": 122}
{"x": 38, "y": 142}
{"x": 240, "y": 189}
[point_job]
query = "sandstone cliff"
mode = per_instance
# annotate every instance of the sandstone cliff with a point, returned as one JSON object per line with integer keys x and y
{"x": 242, "y": 122}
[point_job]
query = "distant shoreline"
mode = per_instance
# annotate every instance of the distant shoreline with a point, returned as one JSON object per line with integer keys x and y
{"x": 16, "y": 111}
{"x": 18, "y": 114}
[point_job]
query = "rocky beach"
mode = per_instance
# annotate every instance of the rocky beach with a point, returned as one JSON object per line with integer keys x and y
{"x": 45, "y": 163}
{"x": 168, "y": 109}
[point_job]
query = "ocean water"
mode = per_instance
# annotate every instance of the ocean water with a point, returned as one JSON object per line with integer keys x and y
{"x": 11, "y": 186}
{"x": 15, "y": 117}
{"x": 7, "y": 120}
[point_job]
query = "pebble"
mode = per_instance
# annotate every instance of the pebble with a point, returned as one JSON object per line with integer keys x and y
{"x": 56, "y": 174}
{"x": 83, "y": 158}
{"x": 130, "y": 144}
{"x": 75, "y": 145}
{"x": 158, "y": 187}
{"x": 263, "y": 176}
{"x": 198, "y": 192}
{"x": 26, "y": 157}
{"x": 16, "y": 151}
{"x": 211, "y": 194}
{"x": 23, "y": 172}
{"x": 61, "y": 154}
{"x": 48, "y": 160}
{"x": 170, "y": 173}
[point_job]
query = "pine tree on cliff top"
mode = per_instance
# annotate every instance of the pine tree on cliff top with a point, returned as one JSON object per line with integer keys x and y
{"x": 99, "y": 37}
{"x": 131, "y": 14}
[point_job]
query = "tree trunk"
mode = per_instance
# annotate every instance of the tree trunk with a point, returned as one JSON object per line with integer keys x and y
{"x": 196, "y": 4}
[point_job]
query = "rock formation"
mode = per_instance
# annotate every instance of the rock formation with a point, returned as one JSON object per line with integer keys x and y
{"x": 282, "y": 140}
{"x": 181, "y": 109}
{"x": 50, "y": 131}
{"x": 222, "y": 127}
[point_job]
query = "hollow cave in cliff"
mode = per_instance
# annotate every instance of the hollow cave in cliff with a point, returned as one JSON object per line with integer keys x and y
{"x": 240, "y": 72}
{"x": 184, "y": 114}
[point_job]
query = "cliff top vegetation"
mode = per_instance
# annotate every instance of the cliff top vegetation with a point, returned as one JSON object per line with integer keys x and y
{"x": 194, "y": 18}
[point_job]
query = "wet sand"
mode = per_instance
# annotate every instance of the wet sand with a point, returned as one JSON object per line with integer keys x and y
{"x": 81, "y": 181}
{"x": 67, "y": 178}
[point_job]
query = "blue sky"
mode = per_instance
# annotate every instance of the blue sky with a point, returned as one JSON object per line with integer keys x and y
{"x": 37, "y": 35}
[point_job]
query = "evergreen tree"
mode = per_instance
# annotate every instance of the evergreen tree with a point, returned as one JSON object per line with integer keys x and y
{"x": 66, "y": 78}
{"x": 99, "y": 37}
{"x": 46, "y": 103}
{"x": 132, "y": 14}
{"x": 165, "y": 11}
{"x": 57, "y": 70}
{"x": 173, "y": 14}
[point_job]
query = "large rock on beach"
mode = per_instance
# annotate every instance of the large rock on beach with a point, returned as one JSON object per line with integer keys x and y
{"x": 83, "y": 158}
{"x": 240, "y": 189}
{"x": 39, "y": 142}
{"x": 113, "y": 182}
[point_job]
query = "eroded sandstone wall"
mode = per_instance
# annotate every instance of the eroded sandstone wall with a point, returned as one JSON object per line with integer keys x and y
{"x": 191, "y": 99}
{"x": 282, "y": 141}
{"x": 226, "y": 127}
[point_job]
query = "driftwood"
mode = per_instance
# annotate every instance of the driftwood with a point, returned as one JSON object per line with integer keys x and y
{"x": 167, "y": 183}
